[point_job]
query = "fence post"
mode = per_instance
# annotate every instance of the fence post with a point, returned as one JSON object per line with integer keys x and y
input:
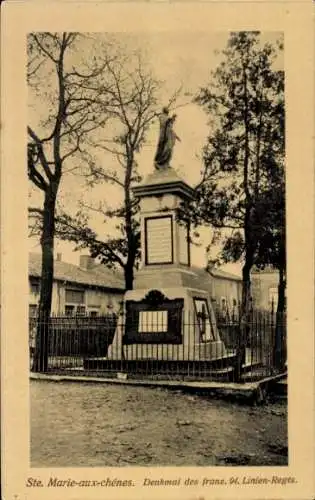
{"x": 273, "y": 336}
{"x": 243, "y": 331}
{"x": 40, "y": 360}
{"x": 279, "y": 343}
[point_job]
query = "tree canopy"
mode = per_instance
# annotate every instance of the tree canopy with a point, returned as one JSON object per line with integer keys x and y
{"x": 244, "y": 153}
{"x": 241, "y": 194}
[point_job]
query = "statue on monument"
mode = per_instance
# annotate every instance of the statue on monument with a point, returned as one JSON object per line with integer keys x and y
{"x": 166, "y": 142}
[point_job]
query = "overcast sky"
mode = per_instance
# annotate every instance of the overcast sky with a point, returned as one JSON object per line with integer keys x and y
{"x": 178, "y": 59}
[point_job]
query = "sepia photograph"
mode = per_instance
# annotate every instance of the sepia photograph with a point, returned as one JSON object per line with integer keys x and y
{"x": 157, "y": 249}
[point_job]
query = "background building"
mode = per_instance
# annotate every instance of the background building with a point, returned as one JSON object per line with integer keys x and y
{"x": 89, "y": 288}
{"x": 93, "y": 289}
{"x": 265, "y": 288}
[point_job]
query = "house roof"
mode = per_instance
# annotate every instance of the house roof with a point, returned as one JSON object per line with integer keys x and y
{"x": 102, "y": 277}
{"x": 219, "y": 273}
{"x": 266, "y": 270}
{"x": 200, "y": 278}
{"x": 98, "y": 275}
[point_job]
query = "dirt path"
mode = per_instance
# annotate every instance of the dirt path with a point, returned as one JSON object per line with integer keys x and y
{"x": 100, "y": 425}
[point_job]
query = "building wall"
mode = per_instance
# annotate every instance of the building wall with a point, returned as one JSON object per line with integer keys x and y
{"x": 105, "y": 302}
{"x": 226, "y": 291}
{"x": 265, "y": 289}
{"x": 94, "y": 301}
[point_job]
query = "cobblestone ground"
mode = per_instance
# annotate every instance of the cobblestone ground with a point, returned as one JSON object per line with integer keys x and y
{"x": 86, "y": 425}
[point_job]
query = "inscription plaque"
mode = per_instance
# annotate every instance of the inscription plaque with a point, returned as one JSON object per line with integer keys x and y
{"x": 159, "y": 240}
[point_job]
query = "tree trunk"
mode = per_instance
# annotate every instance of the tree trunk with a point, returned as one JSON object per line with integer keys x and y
{"x": 243, "y": 321}
{"x": 128, "y": 271}
{"x": 249, "y": 253}
{"x": 129, "y": 226}
{"x": 40, "y": 363}
{"x": 280, "y": 334}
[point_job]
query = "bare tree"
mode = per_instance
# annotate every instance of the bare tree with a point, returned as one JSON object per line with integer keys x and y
{"x": 132, "y": 102}
{"x": 70, "y": 104}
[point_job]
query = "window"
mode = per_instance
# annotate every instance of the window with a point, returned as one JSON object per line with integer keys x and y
{"x": 34, "y": 288}
{"x": 110, "y": 304}
{"x": 80, "y": 311}
{"x": 75, "y": 303}
{"x": 235, "y": 311}
{"x": 273, "y": 296}
{"x": 93, "y": 311}
{"x": 153, "y": 321}
{"x": 69, "y": 310}
{"x": 224, "y": 313}
{"x": 204, "y": 320}
{"x": 74, "y": 296}
{"x": 159, "y": 240}
{"x": 32, "y": 310}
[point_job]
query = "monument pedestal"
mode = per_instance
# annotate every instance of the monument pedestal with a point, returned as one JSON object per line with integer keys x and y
{"x": 169, "y": 314}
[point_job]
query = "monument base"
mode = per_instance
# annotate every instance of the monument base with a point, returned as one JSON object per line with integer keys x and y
{"x": 180, "y": 326}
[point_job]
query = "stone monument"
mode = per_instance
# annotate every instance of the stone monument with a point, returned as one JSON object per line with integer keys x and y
{"x": 170, "y": 303}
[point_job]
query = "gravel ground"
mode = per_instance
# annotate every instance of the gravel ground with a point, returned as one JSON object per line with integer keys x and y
{"x": 103, "y": 425}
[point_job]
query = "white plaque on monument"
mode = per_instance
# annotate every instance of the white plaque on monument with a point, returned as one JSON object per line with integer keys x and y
{"x": 159, "y": 240}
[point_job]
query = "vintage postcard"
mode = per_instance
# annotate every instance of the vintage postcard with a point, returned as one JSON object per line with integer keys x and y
{"x": 157, "y": 250}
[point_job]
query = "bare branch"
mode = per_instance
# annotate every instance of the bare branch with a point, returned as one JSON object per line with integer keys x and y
{"x": 105, "y": 175}
{"x": 41, "y": 153}
{"x": 35, "y": 210}
{"x": 119, "y": 96}
{"x": 174, "y": 97}
{"x": 37, "y": 179}
{"x": 44, "y": 49}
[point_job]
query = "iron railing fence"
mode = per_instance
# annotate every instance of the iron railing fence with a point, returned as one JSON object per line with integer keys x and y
{"x": 99, "y": 346}
{"x": 72, "y": 338}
